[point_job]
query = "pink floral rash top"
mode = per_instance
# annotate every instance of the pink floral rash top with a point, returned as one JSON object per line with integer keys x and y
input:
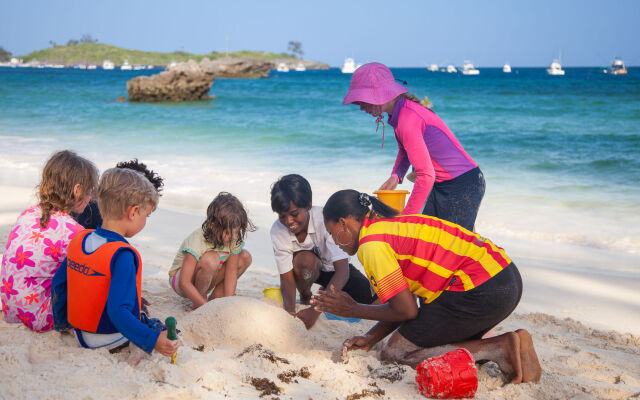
{"x": 30, "y": 259}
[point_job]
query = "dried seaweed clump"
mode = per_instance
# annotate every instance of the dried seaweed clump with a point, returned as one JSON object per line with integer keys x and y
{"x": 288, "y": 376}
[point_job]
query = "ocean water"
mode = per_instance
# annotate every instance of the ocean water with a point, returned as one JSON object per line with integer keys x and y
{"x": 561, "y": 155}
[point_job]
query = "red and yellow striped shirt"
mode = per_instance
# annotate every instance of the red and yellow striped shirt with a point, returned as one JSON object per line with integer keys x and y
{"x": 425, "y": 254}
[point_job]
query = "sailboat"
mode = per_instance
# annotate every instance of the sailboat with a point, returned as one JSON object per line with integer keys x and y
{"x": 506, "y": 69}
{"x": 433, "y": 68}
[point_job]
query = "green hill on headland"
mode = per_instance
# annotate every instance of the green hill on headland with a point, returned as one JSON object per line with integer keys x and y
{"x": 96, "y": 53}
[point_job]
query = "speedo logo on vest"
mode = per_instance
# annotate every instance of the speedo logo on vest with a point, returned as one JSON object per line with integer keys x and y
{"x": 83, "y": 269}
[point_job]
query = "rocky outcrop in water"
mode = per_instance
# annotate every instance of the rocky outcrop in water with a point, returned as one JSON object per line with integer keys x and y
{"x": 230, "y": 67}
{"x": 182, "y": 82}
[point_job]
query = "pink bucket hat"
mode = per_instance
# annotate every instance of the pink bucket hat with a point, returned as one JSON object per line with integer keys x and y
{"x": 373, "y": 83}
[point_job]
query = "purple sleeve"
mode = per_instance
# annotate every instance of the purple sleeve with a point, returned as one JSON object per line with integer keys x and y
{"x": 410, "y": 135}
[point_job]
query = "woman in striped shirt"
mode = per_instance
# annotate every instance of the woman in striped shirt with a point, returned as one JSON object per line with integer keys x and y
{"x": 466, "y": 286}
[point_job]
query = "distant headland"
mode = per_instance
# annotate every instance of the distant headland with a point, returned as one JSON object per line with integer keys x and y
{"x": 95, "y": 54}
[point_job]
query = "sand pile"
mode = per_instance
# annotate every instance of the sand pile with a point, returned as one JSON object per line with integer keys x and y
{"x": 242, "y": 321}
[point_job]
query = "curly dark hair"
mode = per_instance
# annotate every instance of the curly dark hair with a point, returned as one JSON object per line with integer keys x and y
{"x": 141, "y": 167}
{"x": 226, "y": 213}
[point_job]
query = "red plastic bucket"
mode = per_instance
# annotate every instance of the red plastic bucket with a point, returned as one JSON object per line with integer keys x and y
{"x": 449, "y": 376}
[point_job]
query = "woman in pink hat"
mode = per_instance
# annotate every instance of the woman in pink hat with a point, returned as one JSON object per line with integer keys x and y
{"x": 448, "y": 185}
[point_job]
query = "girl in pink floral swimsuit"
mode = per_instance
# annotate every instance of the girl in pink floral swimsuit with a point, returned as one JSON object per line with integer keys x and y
{"x": 38, "y": 242}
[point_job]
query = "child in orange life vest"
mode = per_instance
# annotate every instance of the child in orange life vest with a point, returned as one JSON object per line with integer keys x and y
{"x": 103, "y": 271}
{"x": 211, "y": 259}
{"x": 38, "y": 242}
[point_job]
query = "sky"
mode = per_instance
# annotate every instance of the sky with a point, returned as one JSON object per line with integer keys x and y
{"x": 413, "y": 33}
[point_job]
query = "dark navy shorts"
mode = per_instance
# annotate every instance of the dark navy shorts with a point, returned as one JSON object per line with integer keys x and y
{"x": 460, "y": 316}
{"x": 457, "y": 200}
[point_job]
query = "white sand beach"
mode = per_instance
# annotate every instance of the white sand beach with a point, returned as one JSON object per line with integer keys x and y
{"x": 585, "y": 328}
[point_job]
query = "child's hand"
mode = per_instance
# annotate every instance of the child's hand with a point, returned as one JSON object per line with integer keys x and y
{"x": 165, "y": 346}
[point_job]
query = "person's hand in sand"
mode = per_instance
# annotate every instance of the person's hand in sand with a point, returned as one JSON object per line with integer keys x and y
{"x": 334, "y": 301}
{"x": 357, "y": 343}
{"x": 309, "y": 316}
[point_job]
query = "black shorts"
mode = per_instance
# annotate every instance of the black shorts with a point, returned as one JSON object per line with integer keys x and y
{"x": 458, "y": 316}
{"x": 357, "y": 286}
{"x": 457, "y": 200}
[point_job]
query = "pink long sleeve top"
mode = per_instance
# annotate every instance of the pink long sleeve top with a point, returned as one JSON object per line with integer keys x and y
{"x": 425, "y": 142}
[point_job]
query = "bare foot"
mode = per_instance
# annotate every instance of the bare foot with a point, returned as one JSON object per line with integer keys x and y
{"x": 509, "y": 361}
{"x": 531, "y": 369}
{"x": 135, "y": 354}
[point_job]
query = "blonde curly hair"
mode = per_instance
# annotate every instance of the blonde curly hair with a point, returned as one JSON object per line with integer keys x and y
{"x": 62, "y": 172}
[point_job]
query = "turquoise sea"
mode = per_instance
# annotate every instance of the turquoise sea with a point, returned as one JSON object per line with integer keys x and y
{"x": 561, "y": 154}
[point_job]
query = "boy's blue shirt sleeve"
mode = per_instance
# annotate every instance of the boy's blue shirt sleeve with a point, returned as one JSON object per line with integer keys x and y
{"x": 122, "y": 302}
{"x": 59, "y": 298}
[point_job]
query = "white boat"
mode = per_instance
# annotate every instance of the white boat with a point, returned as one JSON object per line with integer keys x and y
{"x": 150, "y": 66}
{"x": 433, "y": 68}
{"x": 506, "y": 69}
{"x": 349, "y": 66}
{"x": 451, "y": 69}
{"x": 469, "y": 69}
{"x": 107, "y": 65}
{"x": 300, "y": 67}
{"x": 618, "y": 68}
{"x": 138, "y": 67}
{"x": 555, "y": 68}
{"x": 92, "y": 66}
{"x": 126, "y": 66}
{"x": 282, "y": 67}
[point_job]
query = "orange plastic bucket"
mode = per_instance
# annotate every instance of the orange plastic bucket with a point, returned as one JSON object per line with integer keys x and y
{"x": 393, "y": 198}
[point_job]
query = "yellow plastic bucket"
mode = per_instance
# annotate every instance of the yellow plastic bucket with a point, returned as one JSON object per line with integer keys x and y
{"x": 273, "y": 293}
{"x": 393, "y": 198}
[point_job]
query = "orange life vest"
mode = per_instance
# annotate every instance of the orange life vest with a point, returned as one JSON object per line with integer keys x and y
{"x": 88, "y": 279}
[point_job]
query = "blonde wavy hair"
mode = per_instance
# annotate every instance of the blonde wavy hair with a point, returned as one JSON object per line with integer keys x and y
{"x": 424, "y": 102}
{"x": 63, "y": 171}
{"x": 121, "y": 188}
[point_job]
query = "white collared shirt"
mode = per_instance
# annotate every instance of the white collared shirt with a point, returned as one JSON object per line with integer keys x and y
{"x": 285, "y": 243}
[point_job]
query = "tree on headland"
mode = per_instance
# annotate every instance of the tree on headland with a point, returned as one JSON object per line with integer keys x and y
{"x": 52, "y": 43}
{"x": 86, "y": 38}
{"x": 295, "y": 48}
{"x": 4, "y": 55}
{"x": 72, "y": 42}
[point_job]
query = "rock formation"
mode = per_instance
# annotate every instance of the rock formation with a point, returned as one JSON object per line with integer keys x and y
{"x": 182, "y": 82}
{"x": 230, "y": 67}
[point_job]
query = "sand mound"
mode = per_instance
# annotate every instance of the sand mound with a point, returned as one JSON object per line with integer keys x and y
{"x": 242, "y": 321}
